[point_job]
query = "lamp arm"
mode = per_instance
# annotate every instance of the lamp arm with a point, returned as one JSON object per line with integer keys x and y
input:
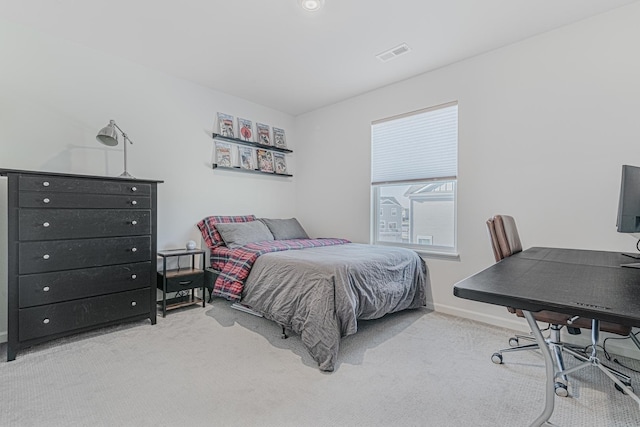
{"x": 124, "y": 135}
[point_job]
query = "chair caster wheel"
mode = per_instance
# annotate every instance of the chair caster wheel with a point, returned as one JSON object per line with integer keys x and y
{"x": 513, "y": 341}
{"x": 496, "y": 358}
{"x": 561, "y": 389}
{"x": 628, "y": 384}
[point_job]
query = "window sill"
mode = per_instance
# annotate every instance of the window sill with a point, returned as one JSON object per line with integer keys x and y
{"x": 450, "y": 256}
{"x": 426, "y": 253}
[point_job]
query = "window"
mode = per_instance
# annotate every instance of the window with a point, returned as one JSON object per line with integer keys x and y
{"x": 414, "y": 171}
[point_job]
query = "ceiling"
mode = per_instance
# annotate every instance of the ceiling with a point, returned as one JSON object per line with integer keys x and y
{"x": 273, "y": 53}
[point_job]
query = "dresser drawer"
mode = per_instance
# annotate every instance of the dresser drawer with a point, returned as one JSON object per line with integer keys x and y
{"x": 33, "y": 199}
{"x": 48, "y": 288}
{"x": 56, "y": 255}
{"x": 181, "y": 280}
{"x": 37, "y": 322}
{"x": 49, "y": 224}
{"x": 81, "y": 185}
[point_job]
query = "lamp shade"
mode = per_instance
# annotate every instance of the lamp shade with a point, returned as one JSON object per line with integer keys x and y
{"x": 108, "y": 135}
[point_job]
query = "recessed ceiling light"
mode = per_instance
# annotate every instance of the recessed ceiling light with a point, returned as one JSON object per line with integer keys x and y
{"x": 311, "y": 5}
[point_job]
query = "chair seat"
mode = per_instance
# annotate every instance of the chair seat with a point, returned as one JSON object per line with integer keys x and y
{"x": 556, "y": 318}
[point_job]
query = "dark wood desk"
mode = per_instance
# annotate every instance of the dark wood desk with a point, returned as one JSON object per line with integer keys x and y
{"x": 590, "y": 284}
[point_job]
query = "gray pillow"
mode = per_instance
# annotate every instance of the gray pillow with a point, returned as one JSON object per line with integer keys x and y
{"x": 284, "y": 229}
{"x": 236, "y": 234}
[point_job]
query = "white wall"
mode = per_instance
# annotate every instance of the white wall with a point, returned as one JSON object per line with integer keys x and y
{"x": 544, "y": 127}
{"x": 56, "y": 95}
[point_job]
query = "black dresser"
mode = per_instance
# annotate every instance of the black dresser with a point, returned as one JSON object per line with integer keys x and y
{"x": 82, "y": 254}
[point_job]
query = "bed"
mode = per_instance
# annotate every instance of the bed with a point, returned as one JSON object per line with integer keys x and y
{"x": 317, "y": 288}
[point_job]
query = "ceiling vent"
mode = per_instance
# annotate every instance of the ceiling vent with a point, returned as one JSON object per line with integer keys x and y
{"x": 394, "y": 52}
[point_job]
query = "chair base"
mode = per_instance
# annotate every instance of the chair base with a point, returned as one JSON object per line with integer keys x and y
{"x": 561, "y": 384}
{"x": 621, "y": 381}
{"x": 558, "y": 348}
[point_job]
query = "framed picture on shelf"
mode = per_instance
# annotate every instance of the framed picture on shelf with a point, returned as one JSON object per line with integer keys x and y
{"x": 279, "y": 139}
{"x": 265, "y": 160}
{"x": 225, "y": 125}
{"x": 264, "y": 136}
{"x": 223, "y": 154}
{"x": 245, "y": 129}
{"x": 279, "y": 163}
{"x": 247, "y": 158}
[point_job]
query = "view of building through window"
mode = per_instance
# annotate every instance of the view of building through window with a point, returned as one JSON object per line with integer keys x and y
{"x": 421, "y": 214}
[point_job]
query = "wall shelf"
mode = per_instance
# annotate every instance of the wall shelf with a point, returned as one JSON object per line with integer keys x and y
{"x": 234, "y": 164}
{"x": 237, "y": 169}
{"x": 249, "y": 143}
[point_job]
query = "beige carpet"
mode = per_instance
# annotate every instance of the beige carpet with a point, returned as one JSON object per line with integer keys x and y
{"x": 216, "y": 366}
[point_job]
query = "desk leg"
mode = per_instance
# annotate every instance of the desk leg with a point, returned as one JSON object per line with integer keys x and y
{"x": 548, "y": 363}
{"x": 164, "y": 286}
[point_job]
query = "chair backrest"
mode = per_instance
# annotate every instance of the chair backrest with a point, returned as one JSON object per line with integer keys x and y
{"x": 503, "y": 232}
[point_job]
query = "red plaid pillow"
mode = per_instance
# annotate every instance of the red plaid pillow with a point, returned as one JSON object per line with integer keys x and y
{"x": 209, "y": 232}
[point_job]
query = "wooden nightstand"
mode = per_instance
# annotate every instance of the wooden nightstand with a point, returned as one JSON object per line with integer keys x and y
{"x": 181, "y": 279}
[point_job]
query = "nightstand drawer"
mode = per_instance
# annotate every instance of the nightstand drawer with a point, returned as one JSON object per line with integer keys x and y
{"x": 36, "y": 322}
{"x": 49, "y": 224}
{"x": 182, "y": 279}
{"x": 48, "y": 288}
{"x": 56, "y": 255}
{"x": 82, "y": 185}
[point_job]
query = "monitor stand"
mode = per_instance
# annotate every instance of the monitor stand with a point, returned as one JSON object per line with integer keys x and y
{"x": 631, "y": 265}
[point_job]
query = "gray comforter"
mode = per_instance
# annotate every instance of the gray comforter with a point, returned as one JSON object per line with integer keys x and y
{"x": 320, "y": 293}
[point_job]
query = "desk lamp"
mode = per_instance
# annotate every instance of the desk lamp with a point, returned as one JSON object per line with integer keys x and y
{"x": 108, "y": 136}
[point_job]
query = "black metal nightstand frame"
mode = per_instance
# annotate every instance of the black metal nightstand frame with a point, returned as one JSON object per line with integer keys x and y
{"x": 180, "y": 279}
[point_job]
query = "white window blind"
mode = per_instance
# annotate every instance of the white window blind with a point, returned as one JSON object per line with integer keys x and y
{"x": 417, "y": 146}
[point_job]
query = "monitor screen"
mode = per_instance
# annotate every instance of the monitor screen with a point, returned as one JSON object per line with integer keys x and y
{"x": 629, "y": 204}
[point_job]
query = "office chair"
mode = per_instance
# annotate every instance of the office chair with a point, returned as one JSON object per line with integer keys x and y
{"x": 505, "y": 242}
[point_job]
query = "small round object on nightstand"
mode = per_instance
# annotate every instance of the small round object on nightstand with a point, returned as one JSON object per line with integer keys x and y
{"x": 191, "y": 245}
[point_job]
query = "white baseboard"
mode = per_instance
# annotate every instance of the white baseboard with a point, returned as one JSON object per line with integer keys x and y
{"x": 517, "y": 323}
{"x": 624, "y": 348}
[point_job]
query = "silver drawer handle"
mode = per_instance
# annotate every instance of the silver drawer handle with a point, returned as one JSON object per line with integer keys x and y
{"x": 46, "y": 200}
{"x": 46, "y": 224}
{"x": 133, "y": 202}
{"x": 45, "y": 256}
{"x": 45, "y": 184}
{"x": 185, "y": 282}
{"x": 134, "y": 249}
{"x": 134, "y": 276}
{"x": 133, "y": 303}
{"x": 45, "y": 321}
{"x": 134, "y": 222}
{"x": 134, "y": 189}
{"x": 46, "y": 289}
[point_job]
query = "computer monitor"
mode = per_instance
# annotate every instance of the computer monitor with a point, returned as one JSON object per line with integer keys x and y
{"x": 629, "y": 204}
